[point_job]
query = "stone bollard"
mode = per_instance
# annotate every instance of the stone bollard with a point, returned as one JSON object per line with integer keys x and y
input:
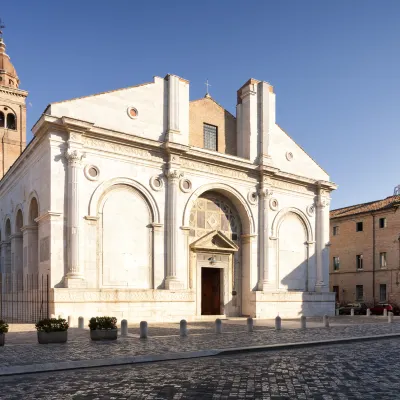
{"x": 385, "y": 314}
{"x": 183, "y": 331}
{"x": 390, "y": 317}
{"x": 325, "y": 320}
{"x": 143, "y": 330}
{"x": 352, "y": 312}
{"x": 250, "y": 324}
{"x": 124, "y": 327}
{"x": 337, "y": 312}
{"x": 303, "y": 322}
{"x": 368, "y": 312}
{"x": 81, "y": 323}
{"x": 278, "y": 323}
{"x": 218, "y": 326}
{"x": 69, "y": 321}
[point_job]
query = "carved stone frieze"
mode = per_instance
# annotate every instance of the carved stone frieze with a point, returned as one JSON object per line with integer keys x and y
{"x": 120, "y": 149}
{"x": 290, "y": 186}
{"x": 115, "y": 295}
{"x": 212, "y": 169}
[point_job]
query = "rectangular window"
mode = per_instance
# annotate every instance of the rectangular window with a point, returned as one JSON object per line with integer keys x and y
{"x": 210, "y": 137}
{"x": 336, "y": 291}
{"x": 336, "y": 263}
{"x": 382, "y": 223}
{"x": 335, "y": 230}
{"x": 359, "y": 292}
{"x": 359, "y": 227}
{"x": 359, "y": 261}
{"x": 382, "y": 260}
{"x": 382, "y": 292}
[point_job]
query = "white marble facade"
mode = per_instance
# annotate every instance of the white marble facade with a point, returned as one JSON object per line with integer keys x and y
{"x": 130, "y": 220}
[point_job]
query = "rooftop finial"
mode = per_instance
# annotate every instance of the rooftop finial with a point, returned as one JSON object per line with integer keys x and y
{"x": 207, "y": 85}
{"x": 2, "y": 26}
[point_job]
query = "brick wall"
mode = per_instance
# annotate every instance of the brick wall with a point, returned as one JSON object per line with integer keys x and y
{"x": 208, "y": 111}
{"x": 348, "y": 243}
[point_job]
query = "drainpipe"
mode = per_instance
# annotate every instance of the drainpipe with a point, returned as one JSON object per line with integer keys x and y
{"x": 373, "y": 258}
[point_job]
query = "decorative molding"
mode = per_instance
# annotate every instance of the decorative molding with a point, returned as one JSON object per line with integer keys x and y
{"x": 47, "y": 215}
{"x": 290, "y": 186}
{"x": 156, "y": 183}
{"x": 274, "y": 204}
{"x": 87, "y": 171}
{"x": 187, "y": 183}
{"x": 174, "y": 174}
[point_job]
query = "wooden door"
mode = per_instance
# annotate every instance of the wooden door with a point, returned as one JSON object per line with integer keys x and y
{"x": 210, "y": 291}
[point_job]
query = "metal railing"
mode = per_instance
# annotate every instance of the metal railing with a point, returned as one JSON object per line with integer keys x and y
{"x": 24, "y": 298}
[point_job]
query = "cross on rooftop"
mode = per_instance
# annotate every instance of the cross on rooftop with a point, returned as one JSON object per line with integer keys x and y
{"x": 207, "y": 85}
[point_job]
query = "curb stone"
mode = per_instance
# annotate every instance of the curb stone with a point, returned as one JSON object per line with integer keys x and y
{"x": 107, "y": 362}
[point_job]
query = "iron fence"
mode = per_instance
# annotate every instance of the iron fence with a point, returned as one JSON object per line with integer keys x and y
{"x": 24, "y": 298}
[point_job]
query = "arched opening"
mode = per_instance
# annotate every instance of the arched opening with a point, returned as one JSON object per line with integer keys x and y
{"x": 125, "y": 239}
{"x": 215, "y": 242}
{"x": 292, "y": 253}
{"x": 11, "y": 121}
{"x": 8, "y": 229}
{"x": 17, "y": 249}
{"x": 31, "y": 260}
{"x": 7, "y": 252}
{"x": 2, "y": 120}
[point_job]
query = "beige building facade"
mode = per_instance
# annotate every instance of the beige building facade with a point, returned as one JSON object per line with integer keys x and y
{"x": 365, "y": 252}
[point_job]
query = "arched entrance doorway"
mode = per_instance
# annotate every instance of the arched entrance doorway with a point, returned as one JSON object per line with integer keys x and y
{"x": 214, "y": 237}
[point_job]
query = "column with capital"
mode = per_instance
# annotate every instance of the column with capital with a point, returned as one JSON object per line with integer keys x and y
{"x": 171, "y": 281}
{"x": 74, "y": 275}
{"x": 264, "y": 280}
{"x": 321, "y": 205}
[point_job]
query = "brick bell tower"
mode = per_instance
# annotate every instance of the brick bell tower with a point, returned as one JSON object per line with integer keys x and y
{"x": 12, "y": 112}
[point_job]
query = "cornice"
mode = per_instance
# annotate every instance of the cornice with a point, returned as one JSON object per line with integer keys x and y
{"x": 13, "y": 91}
{"x": 47, "y": 215}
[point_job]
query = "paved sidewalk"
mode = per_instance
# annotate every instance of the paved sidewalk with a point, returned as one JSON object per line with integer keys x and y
{"x": 80, "y": 347}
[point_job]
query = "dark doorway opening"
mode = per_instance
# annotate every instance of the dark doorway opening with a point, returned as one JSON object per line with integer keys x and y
{"x": 210, "y": 291}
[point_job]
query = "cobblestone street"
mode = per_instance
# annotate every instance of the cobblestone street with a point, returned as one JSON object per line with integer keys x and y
{"x": 80, "y": 347}
{"x": 369, "y": 370}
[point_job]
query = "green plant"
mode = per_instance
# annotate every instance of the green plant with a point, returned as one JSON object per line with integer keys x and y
{"x": 52, "y": 325}
{"x": 102, "y": 323}
{"x": 3, "y": 326}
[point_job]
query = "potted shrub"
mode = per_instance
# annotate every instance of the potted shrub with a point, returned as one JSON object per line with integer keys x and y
{"x": 52, "y": 330}
{"x": 103, "y": 328}
{"x": 3, "y": 330}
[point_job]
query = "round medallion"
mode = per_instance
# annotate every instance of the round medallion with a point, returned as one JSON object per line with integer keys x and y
{"x": 132, "y": 112}
{"x": 185, "y": 185}
{"x": 310, "y": 210}
{"x": 273, "y": 204}
{"x": 252, "y": 196}
{"x": 92, "y": 172}
{"x": 156, "y": 183}
{"x": 289, "y": 155}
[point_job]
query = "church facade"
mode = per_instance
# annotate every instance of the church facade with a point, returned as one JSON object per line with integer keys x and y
{"x": 144, "y": 205}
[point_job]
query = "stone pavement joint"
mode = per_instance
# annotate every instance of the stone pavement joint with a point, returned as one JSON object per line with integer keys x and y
{"x": 80, "y": 364}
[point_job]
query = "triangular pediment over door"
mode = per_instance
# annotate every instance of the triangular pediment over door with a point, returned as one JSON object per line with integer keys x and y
{"x": 214, "y": 241}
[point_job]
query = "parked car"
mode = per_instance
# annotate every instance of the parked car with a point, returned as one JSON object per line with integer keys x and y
{"x": 377, "y": 309}
{"x": 359, "y": 309}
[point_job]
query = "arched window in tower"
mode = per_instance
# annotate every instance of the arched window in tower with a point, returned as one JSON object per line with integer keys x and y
{"x": 1, "y": 119}
{"x": 11, "y": 121}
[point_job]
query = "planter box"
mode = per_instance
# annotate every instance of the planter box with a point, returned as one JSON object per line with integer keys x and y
{"x": 2, "y": 338}
{"x": 52, "y": 337}
{"x": 104, "y": 334}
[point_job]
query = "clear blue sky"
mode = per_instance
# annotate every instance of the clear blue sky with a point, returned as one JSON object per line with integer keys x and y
{"x": 335, "y": 66}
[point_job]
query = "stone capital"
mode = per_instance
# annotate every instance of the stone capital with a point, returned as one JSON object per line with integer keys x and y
{"x": 174, "y": 175}
{"x": 74, "y": 156}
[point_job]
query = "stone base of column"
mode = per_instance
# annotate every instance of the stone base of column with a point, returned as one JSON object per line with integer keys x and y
{"x": 321, "y": 288}
{"x": 266, "y": 286}
{"x": 173, "y": 283}
{"x": 74, "y": 281}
